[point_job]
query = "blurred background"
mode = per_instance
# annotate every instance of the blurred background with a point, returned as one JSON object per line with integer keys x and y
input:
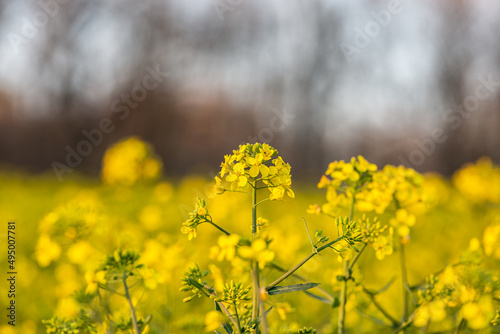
{"x": 400, "y": 82}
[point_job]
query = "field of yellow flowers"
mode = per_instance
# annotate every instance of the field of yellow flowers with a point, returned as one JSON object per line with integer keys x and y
{"x": 368, "y": 249}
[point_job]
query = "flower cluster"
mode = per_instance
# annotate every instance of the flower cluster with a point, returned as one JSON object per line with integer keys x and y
{"x": 198, "y": 216}
{"x": 256, "y": 251}
{"x": 372, "y": 232}
{"x": 79, "y": 325}
{"x": 252, "y": 163}
{"x": 68, "y": 223}
{"x": 234, "y": 294}
{"x": 467, "y": 289}
{"x": 479, "y": 182}
{"x": 129, "y": 161}
{"x": 193, "y": 281}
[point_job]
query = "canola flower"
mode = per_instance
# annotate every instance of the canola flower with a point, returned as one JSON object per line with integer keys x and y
{"x": 479, "y": 182}
{"x": 74, "y": 234}
{"x": 129, "y": 161}
{"x": 251, "y": 163}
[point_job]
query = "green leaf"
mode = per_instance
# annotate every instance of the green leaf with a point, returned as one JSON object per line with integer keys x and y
{"x": 277, "y": 290}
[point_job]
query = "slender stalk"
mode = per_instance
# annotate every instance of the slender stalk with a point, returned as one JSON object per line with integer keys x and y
{"x": 256, "y": 291}
{"x": 237, "y": 317}
{"x": 460, "y": 326}
{"x": 404, "y": 284}
{"x": 347, "y": 274}
{"x": 405, "y": 324}
{"x": 386, "y": 314}
{"x": 303, "y": 279}
{"x": 357, "y": 256}
{"x": 343, "y": 299}
{"x": 265, "y": 326}
{"x": 132, "y": 310}
{"x": 220, "y": 228}
{"x": 301, "y": 263}
{"x": 255, "y": 269}
{"x": 223, "y": 308}
{"x": 254, "y": 210}
{"x": 107, "y": 310}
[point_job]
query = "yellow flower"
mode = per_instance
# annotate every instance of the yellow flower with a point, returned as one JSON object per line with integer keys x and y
{"x": 283, "y": 309}
{"x": 478, "y": 314}
{"x": 190, "y": 231}
{"x": 314, "y": 209}
{"x": 80, "y": 252}
{"x": 217, "y": 276}
{"x": 129, "y": 161}
{"x": 93, "y": 279}
{"x": 226, "y": 247}
{"x": 402, "y": 222}
{"x": 150, "y": 278}
{"x": 491, "y": 240}
{"x": 47, "y": 250}
{"x": 258, "y": 252}
{"x": 382, "y": 247}
{"x": 67, "y": 308}
{"x": 262, "y": 223}
{"x": 479, "y": 182}
{"x": 345, "y": 254}
{"x": 277, "y": 193}
{"x": 246, "y": 164}
{"x": 213, "y": 320}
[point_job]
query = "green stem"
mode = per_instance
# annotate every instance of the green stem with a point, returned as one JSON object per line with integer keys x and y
{"x": 254, "y": 210}
{"x": 262, "y": 201}
{"x": 347, "y": 274}
{"x": 386, "y": 314}
{"x": 223, "y": 308}
{"x": 132, "y": 310}
{"x": 343, "y": 299}
{"x": 405, "y": 324}
{"x": 255, "y": 268}
{"x": 357, "y": 256}
{"x": 220, "y": 228}
{"x": 301, "y": 263}
{"x": 265, "y": 326}
{"x": 460, "y": 326}
{"x": 404, "y": 284}
{"x": 256, "y": 292}
{"x": 237, "y": 317}
{"x": 303, "y": 279}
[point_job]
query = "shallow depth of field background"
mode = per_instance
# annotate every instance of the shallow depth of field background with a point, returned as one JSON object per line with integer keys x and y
{"x": 319, "y": 81}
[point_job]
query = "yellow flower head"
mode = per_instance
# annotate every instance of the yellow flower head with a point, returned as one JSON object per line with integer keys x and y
{"x": 93, "y": 279}
{"x": 129, "y": 161}
{"x": 47, "y": 250}
{"x": 479, "y": 182}
{"x": 257, "y": 252}
{"x": 226, "y": 247}
{"x": 214, "y": 320}
{"x": 252, "y": 163}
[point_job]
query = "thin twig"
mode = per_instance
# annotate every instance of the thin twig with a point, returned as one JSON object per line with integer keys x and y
{"x": 301, "y": 263}
{"x": 132, "y": 309}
